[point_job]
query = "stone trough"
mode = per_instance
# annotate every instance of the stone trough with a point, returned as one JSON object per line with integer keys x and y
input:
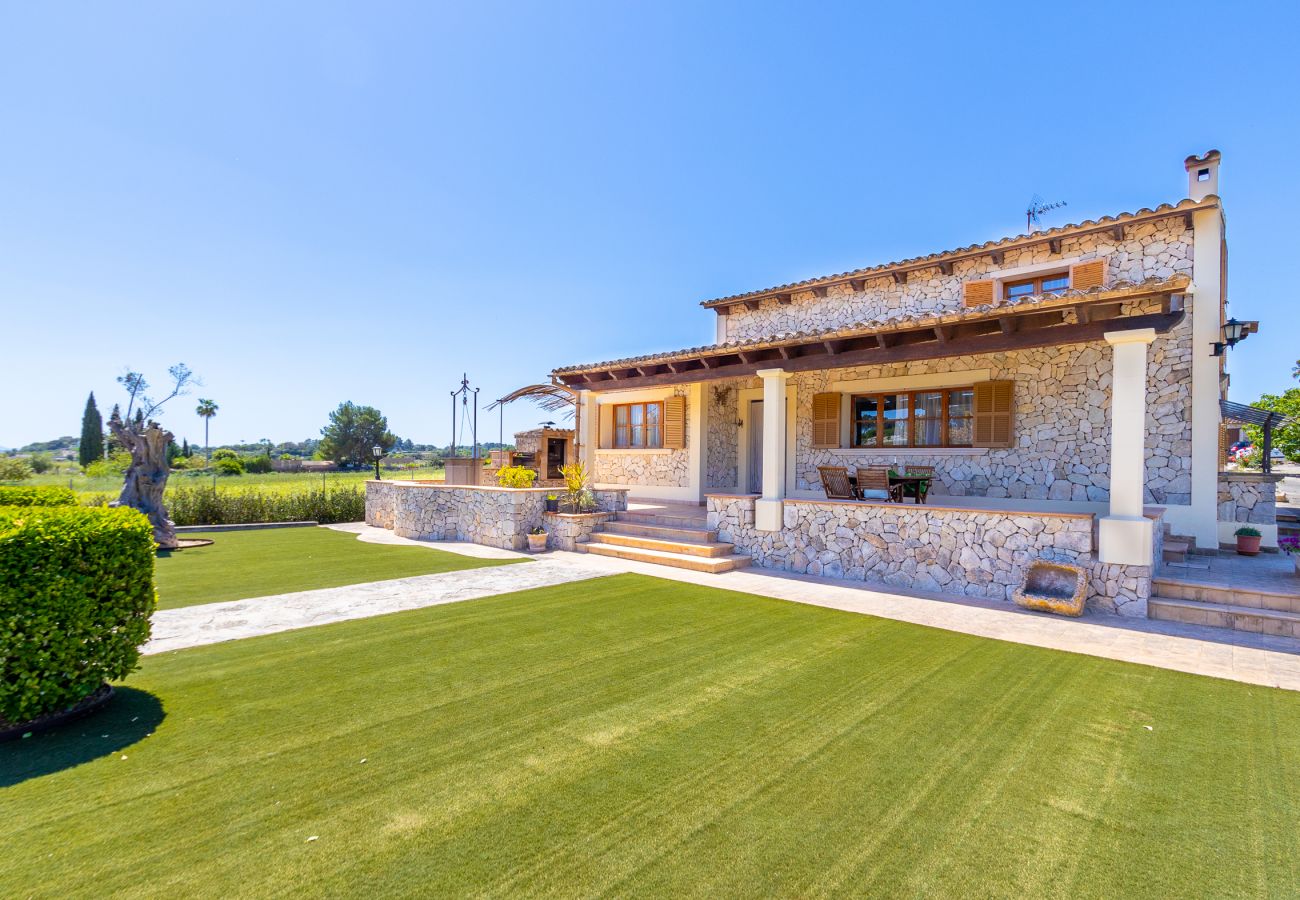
{"x": 1053, "y": 587}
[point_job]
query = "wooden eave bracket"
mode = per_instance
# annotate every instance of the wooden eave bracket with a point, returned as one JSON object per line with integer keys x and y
{"x": 1054, "y": 245}
{"x": 752, "y": 305}
{"x": 997, "y": 256}
{"x": 818, "y": 291}
{"x": 946, "y": 267}
{"x": 900, "y": 277}
{"x": 858, "y": 285}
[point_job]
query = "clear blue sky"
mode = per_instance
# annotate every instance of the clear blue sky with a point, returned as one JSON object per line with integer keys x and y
{"x": 320, "y": 202}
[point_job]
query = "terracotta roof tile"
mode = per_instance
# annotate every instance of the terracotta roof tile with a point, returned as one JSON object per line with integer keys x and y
{"x": 1006, "y": 243}
{"x": 1118, "y": 291}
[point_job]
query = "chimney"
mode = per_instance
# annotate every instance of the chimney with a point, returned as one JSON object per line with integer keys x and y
{"x": 1203, "y": 175}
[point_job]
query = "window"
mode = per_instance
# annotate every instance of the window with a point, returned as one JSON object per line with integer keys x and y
{"x": 940, "y": 418}
{"x": 639, "y": 425}
{"x": 1043, "y": 284}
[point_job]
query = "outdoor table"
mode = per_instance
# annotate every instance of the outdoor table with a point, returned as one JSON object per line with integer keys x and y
{"x": 912, "y": 484}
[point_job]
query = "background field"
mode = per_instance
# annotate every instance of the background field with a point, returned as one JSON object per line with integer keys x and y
{"x": 286, "y": 482}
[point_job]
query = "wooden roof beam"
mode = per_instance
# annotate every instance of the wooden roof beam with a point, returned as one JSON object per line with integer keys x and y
{"x": 900, "y": 276}
{"x": 819, "y": 290}
{"x": 943, "y": 333}
{"x": 784, "y": 299}
{"x": 752, "y": 305}
{"x": 1054, "y": 245}
{"x": 946, "y": 267}
{"x": 857, "y": 285}
{"x": 998, "y": 256}
{"x": 1117, "y": 232}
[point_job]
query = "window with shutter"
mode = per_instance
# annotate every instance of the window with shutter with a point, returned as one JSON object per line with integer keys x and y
{"x": 675, "y": 423}
{"x": 826, "y": 420}
{"x": 1087, "y": 275}
{"x": 977, "y": 293}
{"x": 994, "y": 424}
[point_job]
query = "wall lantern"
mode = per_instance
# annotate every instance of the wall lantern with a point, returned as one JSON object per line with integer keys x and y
{"x": 379, "y": 454}
{"x": 1233, "y": 331}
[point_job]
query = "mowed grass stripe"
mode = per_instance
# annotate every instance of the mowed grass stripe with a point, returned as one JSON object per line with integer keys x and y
{"x": 629, "y": 735}
{"x": 265, "y": 561}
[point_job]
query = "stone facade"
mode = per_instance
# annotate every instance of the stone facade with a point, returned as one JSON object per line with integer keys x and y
{"x": 1159, "y": 249}
{"x": 1248, "y": 497}
{"x": 658, "y": 468}
{"x": 495, "y": 517}
{"x": 1062, "y": 424}
{"x": 982, "y": 553}
{"x": 720, "y": 438}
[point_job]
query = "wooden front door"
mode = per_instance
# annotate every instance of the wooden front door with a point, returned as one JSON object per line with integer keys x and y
{"x": 555, "y": 457}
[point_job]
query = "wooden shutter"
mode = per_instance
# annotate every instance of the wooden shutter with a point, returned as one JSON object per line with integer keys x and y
{"x": 977, "y": 293}
{"x": 826, "y": 420}
{"x": 994, "y": 414}
{"x": 675, "y": 423}
{"x": 1087, "y": 275}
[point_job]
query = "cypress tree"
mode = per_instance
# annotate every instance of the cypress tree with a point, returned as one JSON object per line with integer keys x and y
{"x": 185, "y": 447}
{"x": 91, "y": 447}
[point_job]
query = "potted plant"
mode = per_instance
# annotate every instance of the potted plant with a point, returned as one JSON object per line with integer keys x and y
{"x": 1291, "y": 547}
{"x": 537, "y": 540}
{"x": 1248, "y": 541}
{"x": 552, "y": 503}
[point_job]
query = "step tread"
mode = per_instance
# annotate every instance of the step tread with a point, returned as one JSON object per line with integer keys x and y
{"x": 676, "y": 560}
{"x": 664, "y": 532}
{"x": 691, "y": 548}
{"x": 1226, "y": 608}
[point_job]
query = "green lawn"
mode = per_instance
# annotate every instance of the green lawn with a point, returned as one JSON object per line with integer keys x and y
{"x": 278, "y": 560}
{"x": 639, "y": 737}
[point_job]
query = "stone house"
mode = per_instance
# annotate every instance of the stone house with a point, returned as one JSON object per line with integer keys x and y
{"x": 1061, "y": 384}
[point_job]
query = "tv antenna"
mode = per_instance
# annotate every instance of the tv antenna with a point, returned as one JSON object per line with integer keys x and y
{"x": 1038, "y": 206}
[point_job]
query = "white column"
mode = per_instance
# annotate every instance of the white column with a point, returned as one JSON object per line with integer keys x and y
{"x": 588, "y": 431}
{"x": 769, "y": 509}
{"x": 1126, "y": 535}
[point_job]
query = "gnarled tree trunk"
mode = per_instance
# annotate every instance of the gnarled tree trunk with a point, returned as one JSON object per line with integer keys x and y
{"x": 147, "y": 477}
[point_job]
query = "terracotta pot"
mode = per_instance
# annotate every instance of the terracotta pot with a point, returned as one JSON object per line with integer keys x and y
{"x": 537, "y": 542}
{"x": 1248, "y": 545}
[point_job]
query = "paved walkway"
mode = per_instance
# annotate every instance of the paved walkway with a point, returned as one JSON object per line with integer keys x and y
{"x": 1240, "y": 656}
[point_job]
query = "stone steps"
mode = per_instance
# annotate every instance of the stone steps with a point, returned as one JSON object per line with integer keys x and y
{"x": 1225, "y": 615}
{"x": 1188, "y": 591}
{"x": 660, "y": 532}
{"x": 666, "y": 537}
{"x": 711, "y": 549}
{"x": 712, "y": 565}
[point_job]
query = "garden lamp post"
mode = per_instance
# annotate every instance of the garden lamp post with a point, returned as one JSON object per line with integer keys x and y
{"x": 379, "y": 453}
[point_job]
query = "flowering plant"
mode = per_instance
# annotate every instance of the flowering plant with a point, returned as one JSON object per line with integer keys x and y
{"x": 1289, "y": 544}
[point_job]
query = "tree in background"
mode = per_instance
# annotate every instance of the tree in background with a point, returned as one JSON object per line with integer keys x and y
{"x": 91, "y": 447}
{"x": 185, "y": 448}
{"x": 111, "y": 443}
{"x": 206, "y": 410}
{"x": 352, "y": 432}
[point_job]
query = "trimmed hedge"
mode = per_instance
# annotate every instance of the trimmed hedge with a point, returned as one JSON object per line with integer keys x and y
{"x": 49, "y": 495}
{"x": 76, "y": 593}
{"x": 203, "y": 506}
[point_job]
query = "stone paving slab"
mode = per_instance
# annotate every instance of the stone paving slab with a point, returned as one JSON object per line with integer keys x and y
{"x": 1239, "y": 656}
{"x": 211, "y": 623}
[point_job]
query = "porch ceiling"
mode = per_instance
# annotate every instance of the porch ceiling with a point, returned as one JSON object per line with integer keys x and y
{"x": 1039, "y": 321}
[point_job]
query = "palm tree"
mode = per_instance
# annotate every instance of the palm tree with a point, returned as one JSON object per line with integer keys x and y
{"x": 207, "y": 409}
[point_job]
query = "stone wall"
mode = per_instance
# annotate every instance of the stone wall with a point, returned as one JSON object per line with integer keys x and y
{"x": 1159, "y": 249}
{"x": 721, "y": 435}
{"x": 567, "y": 530}
{"x": 1062, "y": 425}
{"x": 1248, "y": 497}
{"x": 496, "y": 517}
{"x": 981, "y": 553}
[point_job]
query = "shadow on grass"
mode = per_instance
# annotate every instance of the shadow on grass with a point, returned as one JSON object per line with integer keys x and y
{"x": 126, "y": 719}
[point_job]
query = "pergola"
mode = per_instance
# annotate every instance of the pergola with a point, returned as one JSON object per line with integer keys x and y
{"x": 1252, "y": 415}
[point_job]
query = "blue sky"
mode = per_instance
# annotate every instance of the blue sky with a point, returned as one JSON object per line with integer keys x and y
{"x": 318, "y": 202}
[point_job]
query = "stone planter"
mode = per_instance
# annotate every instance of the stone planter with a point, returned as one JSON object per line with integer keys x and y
{"x": 537, "y": 542}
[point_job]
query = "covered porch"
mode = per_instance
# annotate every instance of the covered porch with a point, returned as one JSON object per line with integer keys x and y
{"x": 1056, "y": 422}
